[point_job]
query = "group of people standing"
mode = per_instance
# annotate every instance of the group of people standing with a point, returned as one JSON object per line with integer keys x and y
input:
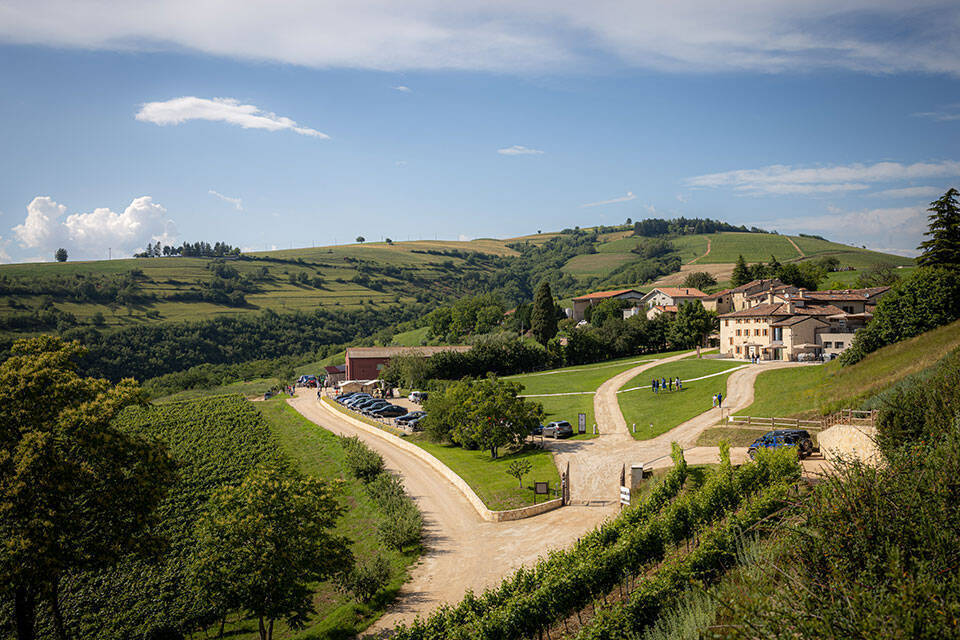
{"x": 665, "y": 384}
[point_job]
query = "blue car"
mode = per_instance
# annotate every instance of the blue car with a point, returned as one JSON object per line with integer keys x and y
{"x": 779, "y": 438}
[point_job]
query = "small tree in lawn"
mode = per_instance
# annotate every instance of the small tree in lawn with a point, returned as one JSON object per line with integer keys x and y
{"x": 518, "y": 469}
{"x": 692, "y": 325}
{"x": 741, "y": 273}
{"x": 262, "y": 543}
{"x": 361, "y": 239}
{"x": 943, "y": 247}
{"x": 543, "y": 319}
{"x": 494, "y": 415}
{"x": 61, "y": 255}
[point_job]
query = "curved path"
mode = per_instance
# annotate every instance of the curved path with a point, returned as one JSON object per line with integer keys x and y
{"x": 461, "y": 550}
{"x": 795, "y": 246}
{"x": 706, "y": 253}
{"x": 595, "y": 464}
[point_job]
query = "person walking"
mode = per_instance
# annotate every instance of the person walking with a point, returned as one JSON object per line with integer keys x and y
{"x": 653, "y": 385}
{"x": 720, "y": 400}
{"x": 714, "y": 400}
{"x": 670, "y": 383}
{"x": 679, "y": 384}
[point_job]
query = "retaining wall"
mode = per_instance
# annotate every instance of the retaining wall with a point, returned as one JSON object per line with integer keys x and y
{"x": 846, "y": 440}
{"x": 446, "y": 472}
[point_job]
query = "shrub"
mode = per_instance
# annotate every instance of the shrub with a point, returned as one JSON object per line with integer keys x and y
{"x": 367, "y": 578}
{"x": 363, "y": 463}
{"x": 402, "y": 528}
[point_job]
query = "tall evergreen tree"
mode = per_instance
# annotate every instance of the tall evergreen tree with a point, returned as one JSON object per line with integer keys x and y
{"x": 543, "y": 320}
{"x": 741, "y": 273}
{"x": 943, "y": 247}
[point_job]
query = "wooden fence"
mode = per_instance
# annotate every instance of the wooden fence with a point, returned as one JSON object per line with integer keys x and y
{"x": 845, "y": 416}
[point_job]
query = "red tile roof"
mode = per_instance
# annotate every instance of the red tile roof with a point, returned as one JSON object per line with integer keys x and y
{"x": 714, "y": 296}
{"x": 680, "y": 292}
{"x": 669, "y": 308}
{"x": 783, "y": 309}
{"x": 601, "y": 295}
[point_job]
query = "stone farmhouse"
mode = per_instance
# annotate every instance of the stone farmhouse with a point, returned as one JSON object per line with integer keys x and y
{"x": 581, "y": 303}
{"x": 664, "y": 300}
{"x": 782, "y": 322}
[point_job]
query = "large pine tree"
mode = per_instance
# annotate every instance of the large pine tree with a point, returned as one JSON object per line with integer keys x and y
{"x": 741, "y": 273}
{"x": 543, "y": 320}
{"x": 943, "y": 247}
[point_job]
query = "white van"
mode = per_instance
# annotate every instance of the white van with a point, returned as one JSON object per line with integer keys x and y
{"x": 417, "y": 396}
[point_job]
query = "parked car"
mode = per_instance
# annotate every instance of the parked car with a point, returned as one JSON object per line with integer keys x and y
{"x": 343, "y": 397}
{"x": 415, "y": 423}
{"x": 377, "y": 404}
{"x": 798, "y": 438}
{"x": 418, "y": 396}
{"x": 389, "y": 411}
{"x": 413, "y": 415}
{"x": 357, "y": 399}
{"x": 363, "y": 403}
{"x": 558, "y": 429}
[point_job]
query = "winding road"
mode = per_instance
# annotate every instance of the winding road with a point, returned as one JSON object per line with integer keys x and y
{"x": 462, "y": 551}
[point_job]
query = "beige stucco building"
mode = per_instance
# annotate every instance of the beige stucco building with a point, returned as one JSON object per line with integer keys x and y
{"x": 581, "y": 303}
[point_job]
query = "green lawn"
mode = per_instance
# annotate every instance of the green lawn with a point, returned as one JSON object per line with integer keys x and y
{"x": 856, "y": 257}
{"x": 317, "y": 453}
{"x": 655, "y": 414}
{"x": 690, "y": 247}
{"x": 567, "y": 408}
{"x": 825, "y": 388}
{"x": 412, "y": 338}
{"x": 487, "y": 477}
{"x": 754, "y": 247}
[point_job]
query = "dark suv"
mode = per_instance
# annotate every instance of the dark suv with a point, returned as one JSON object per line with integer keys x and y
{"x": 798, "y": 438}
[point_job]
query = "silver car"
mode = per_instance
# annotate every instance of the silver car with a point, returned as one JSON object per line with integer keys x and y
{"x": 558, "y": 429}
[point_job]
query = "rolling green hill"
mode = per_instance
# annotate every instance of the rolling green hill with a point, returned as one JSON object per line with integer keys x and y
{"x": 113, "y": 294}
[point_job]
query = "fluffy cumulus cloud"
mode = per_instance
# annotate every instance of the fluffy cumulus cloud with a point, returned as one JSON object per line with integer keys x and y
{"x": 180, "y": 110}
{"x": 838, "y": 179}
{"x": 516, "y": 35}
{"x": 519, "y": 150}
{"x": 89, "y": 235}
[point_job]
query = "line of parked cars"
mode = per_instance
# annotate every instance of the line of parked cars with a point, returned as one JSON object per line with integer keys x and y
{"x": 366, "y": 404}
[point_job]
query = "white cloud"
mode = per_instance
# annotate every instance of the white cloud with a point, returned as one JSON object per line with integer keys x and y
{"x": 788, "y": 180}
{"x": 236, "y": 202}
{"x": 248, "y": 116}
{"x": 900, "y": 228}
{"x": 945, "y": 114}
{"x": 910, "y": 192}
{"x": 403, "y": 89}
{"x": 91, "y": 234}
{"x": 876, "y": 36}
{"x": 626, "y": 198}
{"x": 519, "y": 150}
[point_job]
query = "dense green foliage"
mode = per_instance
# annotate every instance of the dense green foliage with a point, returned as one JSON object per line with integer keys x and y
{"x": 262, "y": 542}
{"x": 692, "y": 325}
{"x": 928, "y": 299}
{"x": 699, "y": 280}
{"x": 403, "y": 523}
{"x": 943, "y": 247}
{"x": 918, "y": 407}
{"x": 481, "y": 414}
{"x": 190, "y": 250}
{"x": 543, "y": 317}
{"x": 152, "y": 350}
{"x": 76, "y": 493}
{"x": 805, "y": 275}
{"x": 652, "y": 227}
{"x": 467, "y": 316}
{"x": 215, "y": 443}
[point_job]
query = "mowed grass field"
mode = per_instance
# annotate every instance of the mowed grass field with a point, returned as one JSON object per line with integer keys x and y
{"x": 316, "y": 452}
{"x": 577, "y": 379}
{"x": 805, "y": 391}
{"x": 487, "y": 477}
{"x": 657, "y": 413}
{"x": 597, "y": 264}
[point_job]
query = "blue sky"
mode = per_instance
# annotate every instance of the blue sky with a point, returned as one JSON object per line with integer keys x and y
{"x": 317, "y": 122}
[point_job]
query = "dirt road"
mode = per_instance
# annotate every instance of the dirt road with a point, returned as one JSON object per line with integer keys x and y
{"x": 462, "y": 551}
{"x": 595, "y": 464}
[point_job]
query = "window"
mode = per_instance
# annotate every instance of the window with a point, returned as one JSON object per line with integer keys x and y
{"x": 731, "y": 340}
{"x": 738, "y": 331}
{"x": 726, "y": 323}
{"x": 764, "y": 332}
{"x": 839, "y": 345}
{"x": 756, "y": 332}
{"x": 827, "y": 345}
{"x": 738, "y": 349}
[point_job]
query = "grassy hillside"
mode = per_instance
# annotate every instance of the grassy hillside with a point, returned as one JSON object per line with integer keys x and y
{"x": 813, "y": 389}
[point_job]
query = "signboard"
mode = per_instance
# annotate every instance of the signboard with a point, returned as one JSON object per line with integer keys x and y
{"x": 541, "y": 488}
{"x": 581, "y": 423}
{"x": 624, "y": 495}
